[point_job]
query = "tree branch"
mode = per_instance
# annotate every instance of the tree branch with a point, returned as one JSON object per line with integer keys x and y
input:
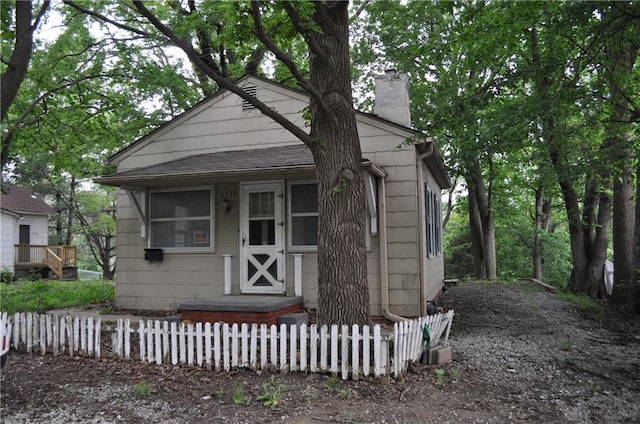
{"x": 302, "y": 30}
{"x": 357, "y": 13}
{"x": 105, "y": 19}
{"x": 220, "y": 79}
{"x": 41, "y": 12}
{"x": 283, "y": 57}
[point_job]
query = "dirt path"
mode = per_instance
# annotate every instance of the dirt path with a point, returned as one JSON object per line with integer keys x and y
{"x": 520, "y": 355}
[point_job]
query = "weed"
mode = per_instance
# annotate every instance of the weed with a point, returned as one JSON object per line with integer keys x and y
{"x": 6, "y": 276}
{"x": 66, "y": 389}
{"x": 143, "y": 389}
{"x": 345, "y": 394}
{"x": 107, "y": 310}
{"x": 310, "y": 394}
{"x": 333, "y": 383}
{"x": 439, "y": 372}
{"x": 565, "y": 345}
{"x": 238, "y": 397}
{"x": 272, "y": 392}
{"x": 455, "y": 373}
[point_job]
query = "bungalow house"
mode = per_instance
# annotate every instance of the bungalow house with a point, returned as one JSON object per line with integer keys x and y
{"x": 217, "y": 209}
{"x": 24, "y": 236}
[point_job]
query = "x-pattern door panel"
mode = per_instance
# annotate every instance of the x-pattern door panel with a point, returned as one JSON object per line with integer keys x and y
{"x": 262, "y": 238}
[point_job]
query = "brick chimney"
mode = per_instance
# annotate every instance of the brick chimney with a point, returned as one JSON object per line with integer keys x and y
{"x": 392, "y": 97}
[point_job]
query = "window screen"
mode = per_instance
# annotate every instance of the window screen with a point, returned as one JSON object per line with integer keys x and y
{"x": 181, "y": 219}
{"x": 303, "y": 214}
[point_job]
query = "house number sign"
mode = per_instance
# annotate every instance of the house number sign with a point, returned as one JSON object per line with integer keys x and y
{"x": 231, "y": 194}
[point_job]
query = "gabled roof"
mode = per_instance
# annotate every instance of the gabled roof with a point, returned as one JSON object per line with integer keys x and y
{"x": 21, "y": 200}
{"x": 246, "y": 162}
{"x": 222, "y": 164}
{"x": 297, "y": 93}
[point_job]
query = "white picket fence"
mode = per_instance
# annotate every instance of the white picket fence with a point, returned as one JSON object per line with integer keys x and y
{"x": 348, "y": 351}
{"x": 33, "y": 332}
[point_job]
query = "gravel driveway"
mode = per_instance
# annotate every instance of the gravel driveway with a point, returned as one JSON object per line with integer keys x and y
{"x": 520, "y": 355}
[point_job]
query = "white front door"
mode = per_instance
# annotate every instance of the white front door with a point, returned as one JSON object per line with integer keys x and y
{"x": 262, "y": 238}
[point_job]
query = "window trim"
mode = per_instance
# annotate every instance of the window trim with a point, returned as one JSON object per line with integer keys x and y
{"x": 295, "y": 249}
{"x": 212, "y": 220}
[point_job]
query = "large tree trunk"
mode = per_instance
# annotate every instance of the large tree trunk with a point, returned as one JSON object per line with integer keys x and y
{"x": 107, "y": 273}
{"x": 623, "y": 224}
{"x": 59, "y": 208}
{"x": 636, "y": 238}
{"x": 636, "y": 243}
{"x": 589, "y": 246}
{"x": 621, "y": 52}
{"x": 542, "y": 220}
{"x": 588, "y": 233}
{"x": 343, "y": 296}
{"x": 72, "y": 201}
{"x": 18, "y": 64}
{"x": 483, "y": 246}
{"x": 19, "y": 61}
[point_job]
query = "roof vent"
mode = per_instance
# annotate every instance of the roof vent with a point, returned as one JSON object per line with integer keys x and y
{"x": 251, "y": 90}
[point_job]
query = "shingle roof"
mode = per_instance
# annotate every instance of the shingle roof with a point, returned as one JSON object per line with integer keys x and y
{"x": 219, "y": 164}
{"x": 223, "y": 164}
{"x": 22, "y": 200}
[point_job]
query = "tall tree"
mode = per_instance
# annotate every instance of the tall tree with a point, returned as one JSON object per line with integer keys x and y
{"x": 16, "y": 67}
{"x": 332, "y": 139}
{"x": 567, "y": 73}
{"x": 621, "y": 29}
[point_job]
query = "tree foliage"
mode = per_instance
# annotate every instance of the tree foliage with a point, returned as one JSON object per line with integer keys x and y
{"x": 535, "y": 97}
{"x": 215, "y": 36}
{"x": 533, "y": 104}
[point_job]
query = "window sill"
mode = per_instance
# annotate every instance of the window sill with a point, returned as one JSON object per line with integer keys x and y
{"x": 303, "y": 249}
{"x": 187, "y": 251}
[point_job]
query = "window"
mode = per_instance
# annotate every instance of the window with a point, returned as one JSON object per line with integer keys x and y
{"x": 303, "y": 215}
{"x": 432, "y": 222}
{"x": 181, "y": 219}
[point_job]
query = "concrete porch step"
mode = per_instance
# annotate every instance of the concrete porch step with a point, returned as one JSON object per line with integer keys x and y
{"x": 240, "y": 309}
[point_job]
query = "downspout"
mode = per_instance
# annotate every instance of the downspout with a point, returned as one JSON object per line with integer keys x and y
{"x": 384, "y": 256}
{"x": 421, "y": 233}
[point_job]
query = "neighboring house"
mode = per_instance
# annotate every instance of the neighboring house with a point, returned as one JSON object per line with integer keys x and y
{"x": 24, "y": 237}
{"x": 24, "y": 220}
{"x": 220, "y": 204}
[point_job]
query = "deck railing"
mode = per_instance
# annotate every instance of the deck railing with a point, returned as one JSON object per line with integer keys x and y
{"x": 54, "y": 257}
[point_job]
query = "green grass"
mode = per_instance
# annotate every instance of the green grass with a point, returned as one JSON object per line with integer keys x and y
{"x": 38, "y": 296}
{"x": 584, "y": 302}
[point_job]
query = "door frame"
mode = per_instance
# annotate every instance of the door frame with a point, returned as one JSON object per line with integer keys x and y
{"x": 278, "y": 249}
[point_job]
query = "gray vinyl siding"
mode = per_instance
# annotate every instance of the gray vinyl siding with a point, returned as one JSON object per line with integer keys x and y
{"x": 220, "y": 125}
{"x": 434, "y": 265}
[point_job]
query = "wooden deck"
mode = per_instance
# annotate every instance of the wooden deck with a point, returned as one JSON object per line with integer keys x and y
{"x": 56, "y": 258}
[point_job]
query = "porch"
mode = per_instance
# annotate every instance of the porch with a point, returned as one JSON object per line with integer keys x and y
{"x": 238, "y": 309}
{"x": 61, "y": 260}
